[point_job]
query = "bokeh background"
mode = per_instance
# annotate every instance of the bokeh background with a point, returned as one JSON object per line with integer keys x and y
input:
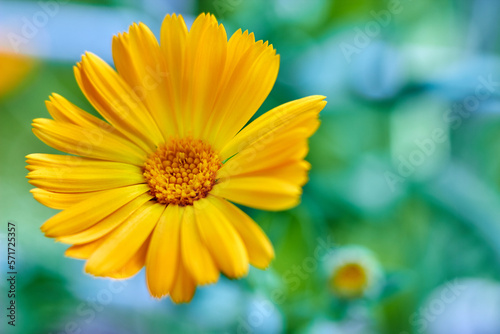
{"x": 406, "y": 165}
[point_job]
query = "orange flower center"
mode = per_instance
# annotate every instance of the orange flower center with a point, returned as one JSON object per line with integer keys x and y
{"x": 182, "y": 171}
{"x": 350, "y": 280}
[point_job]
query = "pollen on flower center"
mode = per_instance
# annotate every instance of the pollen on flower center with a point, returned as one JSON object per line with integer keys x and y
{"x": 182, "y": 171}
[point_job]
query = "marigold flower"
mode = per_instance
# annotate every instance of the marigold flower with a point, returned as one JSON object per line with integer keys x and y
{"x": 354, "y": 272}
{"x": 14, "y": 68}
{"x": 153, "y": 184}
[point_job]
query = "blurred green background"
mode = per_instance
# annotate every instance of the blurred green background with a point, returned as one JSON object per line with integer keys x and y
{"x": 406, "y": 164}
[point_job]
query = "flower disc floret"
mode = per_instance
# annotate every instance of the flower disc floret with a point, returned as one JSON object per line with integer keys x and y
{"x": 182, "y": 171}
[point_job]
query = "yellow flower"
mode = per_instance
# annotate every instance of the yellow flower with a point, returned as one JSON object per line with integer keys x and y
{"x": 349, "y": 280}
{"x": 354, "y": 273}
{"x": 14, "y": 68}
{"x": 153, "y": 185}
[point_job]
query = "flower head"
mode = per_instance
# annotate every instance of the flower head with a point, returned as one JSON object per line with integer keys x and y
{"x": 153, "y": 183}
{"x": 354, "y": 272}
{"x": 14, "y": 68}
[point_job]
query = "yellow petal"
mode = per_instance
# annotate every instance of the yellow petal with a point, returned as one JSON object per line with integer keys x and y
{"x": 205, "y": 58}
{"x": 107, "y": 224}
{"x": 278, "y": 157}
{"x": 37, "y": 160}
{"x": 279, "y": 151}
{"x": 266, "y": 168}
{"x": 164, "y": 252}
{"x": 237, "y": 46}
{"x": 117, "y": 102}
{"x": 173, "y": 44}
{"x": 139, "y": 61}
{"x": 61, "y": 173}
{"x": 248, "y": 77}
{"x": 40, "y": 161}
{"x": 221, "y": 238}
{"x": 289, "y": 171}
{"x": 90, "y": 211}
{"x": 184, "y": 286}
{"x": 87, "y": 142}
{"x": 64, "y": 111}
{"x": 123, "y": 242}
{"x": 134, "y": 265}
{"x": 264, "y": 193}
{"x": 59, "y": 201}
{"x": 259, "y": 248}
{"x": 83, "y": 251}
{"x": 195, "y": 254}
{"x": 300, "y": 113}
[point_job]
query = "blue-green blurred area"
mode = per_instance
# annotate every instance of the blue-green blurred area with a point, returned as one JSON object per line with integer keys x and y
{"x": 406, "y": 164}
